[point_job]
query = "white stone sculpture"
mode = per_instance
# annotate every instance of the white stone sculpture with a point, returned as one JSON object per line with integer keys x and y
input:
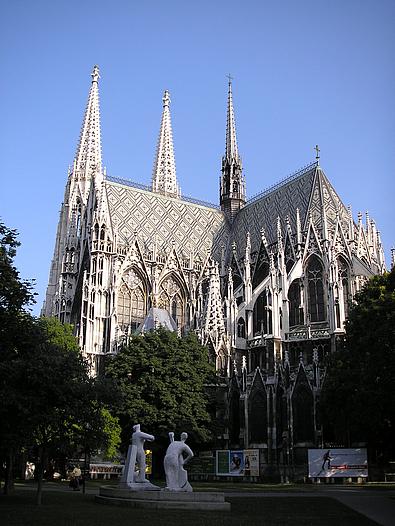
{"x": 136, "y": 455}
{"x": 176, "y": 475}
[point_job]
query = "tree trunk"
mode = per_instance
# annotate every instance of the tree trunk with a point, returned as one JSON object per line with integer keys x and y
{"x": 40, "y": 473}
{"x": 9, "y": 475}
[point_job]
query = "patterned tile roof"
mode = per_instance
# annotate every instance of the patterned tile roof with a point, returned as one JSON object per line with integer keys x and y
{"x": 192, "y": 227}
{"x": 308, "y": 190}
{"x": 262, "y": 211}
{"x": 200, "y": 228}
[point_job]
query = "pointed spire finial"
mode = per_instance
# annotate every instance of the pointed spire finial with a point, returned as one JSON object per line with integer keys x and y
{"x": 317, "y": 152}
{"x": 231, "y": 150}
{"x": 298, "y": 229}
{"x": 95, "y": 73}
{"x": 263, "y": 236}
{"x": 166, "y": 99}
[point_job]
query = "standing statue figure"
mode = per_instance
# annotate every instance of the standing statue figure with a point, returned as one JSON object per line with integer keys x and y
{"x": 136, "y": 455}
{"x": 138, "y": 439}
{"x": 176, "y": 475}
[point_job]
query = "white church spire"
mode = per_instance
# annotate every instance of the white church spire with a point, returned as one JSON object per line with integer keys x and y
{"x": 232, "y": 191}
{"x": 231, "y": 150}
{"x": 88, "y": 162}
{"x": 164, "y": 178}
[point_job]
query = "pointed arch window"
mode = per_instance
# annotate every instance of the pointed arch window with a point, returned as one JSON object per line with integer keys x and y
{"x": 102, "y": 237}
{"x": 172, "y": 299}
{"x": 295, "y": 308}
{"x": 262, "y": 314}
{"x": 132, "y": 302}
{"x": 221, "y": 362}
{"x": 315, "y": 286}
{"x": 234, "y": 417}
{"x": 241, "y": 328}
{"x": 261, "y": 268}
{"x": 303, "y": 410}
{"x": 258, "y": 417}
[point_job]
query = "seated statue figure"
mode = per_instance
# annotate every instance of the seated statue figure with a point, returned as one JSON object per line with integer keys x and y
{"x": 176, "y": 475}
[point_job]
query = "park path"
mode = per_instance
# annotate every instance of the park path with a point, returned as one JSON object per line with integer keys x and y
{"x": 378, "y": 505}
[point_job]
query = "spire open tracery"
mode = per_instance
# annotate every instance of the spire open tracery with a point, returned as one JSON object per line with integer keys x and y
{"x": 231, "y": 150}
{"x": 164, "y": 178}
{"x": 88, "y": 162}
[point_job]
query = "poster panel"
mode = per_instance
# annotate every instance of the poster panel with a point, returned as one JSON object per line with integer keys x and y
{"x": 236, "y": 463}
{"x": 342, "y": 462}
{"x": 251, "y": 462}
{"x": 223, "y": 462}
{"x": 201, "y": 465}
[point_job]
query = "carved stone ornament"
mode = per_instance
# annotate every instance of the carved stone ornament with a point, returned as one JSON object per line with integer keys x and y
{"x": 170, "y": 287}
{"x": 132, "y": 280}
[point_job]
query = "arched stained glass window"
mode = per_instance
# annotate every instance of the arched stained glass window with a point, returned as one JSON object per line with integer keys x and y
{"x": 316, "y": 302}
{"x": 172, "y": 299}
{"x": 295, "y": 309}
{"x": 131, "y": 305}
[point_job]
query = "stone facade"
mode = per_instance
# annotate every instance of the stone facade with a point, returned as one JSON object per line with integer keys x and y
{"x": 266, "y": 283}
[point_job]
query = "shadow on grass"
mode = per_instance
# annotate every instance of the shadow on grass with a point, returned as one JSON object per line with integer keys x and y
{"x": 75, "y": 509}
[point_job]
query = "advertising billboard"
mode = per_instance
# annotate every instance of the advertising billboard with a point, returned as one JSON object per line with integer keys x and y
{"x": 238, "y": 462}
{"x": 330, "y": 463}
{"x": 251, "y": 462}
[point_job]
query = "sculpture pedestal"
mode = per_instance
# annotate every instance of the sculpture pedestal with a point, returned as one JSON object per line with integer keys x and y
{"x": 171, "y": 500}
{"x": 138, "y": 486}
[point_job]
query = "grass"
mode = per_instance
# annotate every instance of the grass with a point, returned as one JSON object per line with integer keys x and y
{"x": 62, "y": 508}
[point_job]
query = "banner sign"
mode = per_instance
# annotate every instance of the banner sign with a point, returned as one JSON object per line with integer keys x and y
{"x": 332, "y": 463}
{"x": 244, "y": 462}
{"x": 105, "y": 468}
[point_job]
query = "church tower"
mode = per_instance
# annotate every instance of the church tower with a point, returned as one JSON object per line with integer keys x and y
{"x": 72, "y": 232}
{"x": 232, "y": 191}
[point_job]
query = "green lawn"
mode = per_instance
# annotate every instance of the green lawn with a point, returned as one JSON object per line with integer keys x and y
{"x": 61, "y": 508}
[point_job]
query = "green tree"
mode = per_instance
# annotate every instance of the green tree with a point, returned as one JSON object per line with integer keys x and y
{"x": 163, "y": 381}
{"x": 49, "y": 401}
{"x": 16, "y": 330}
{"x": 358, "y": 397}
{"x": 65, "y": 411}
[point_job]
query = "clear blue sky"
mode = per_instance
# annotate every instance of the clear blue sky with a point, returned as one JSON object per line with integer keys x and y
{"x": 305, "y": 72}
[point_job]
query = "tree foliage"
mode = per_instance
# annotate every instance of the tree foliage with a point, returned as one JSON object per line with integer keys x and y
{"x": 15, "y": 293}
{"x": 358, "y": 397}
{"x": 49, "y": 401}
{"x": 162, "y": 379}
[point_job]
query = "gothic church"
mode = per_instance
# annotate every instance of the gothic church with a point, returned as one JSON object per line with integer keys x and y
{"x": 265, "y": 282}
